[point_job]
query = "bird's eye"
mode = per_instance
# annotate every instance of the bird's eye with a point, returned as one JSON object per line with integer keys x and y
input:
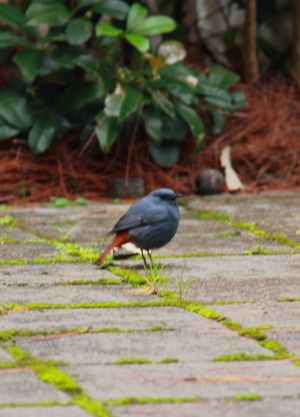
{"x": 162, "y": 197}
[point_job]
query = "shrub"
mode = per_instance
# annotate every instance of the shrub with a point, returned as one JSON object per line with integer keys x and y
{"x": 87, "y": 64}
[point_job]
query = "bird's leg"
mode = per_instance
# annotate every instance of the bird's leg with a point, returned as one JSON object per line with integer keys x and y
{"x": 144, "y": 259}
{"x": 150, "y": 257}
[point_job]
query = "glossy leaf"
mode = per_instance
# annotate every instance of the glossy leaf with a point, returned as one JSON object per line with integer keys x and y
{"x": 171, "y": 52}
{"x": 30, "y": 62}
{"x": 11, "y": 15}
{"x": 107, "y": 131}
{"x": 66, "y": 55}
{"x": 7, "y": 131}
{"x": 221, "y": 77}
{"x": 113, "y": 103}
{"x": 41, "y": 134}
{"x": 239, "y": 99}
{"x": 8, "y": 39}
{"x": 117, "y": 9}
{"x": 78, "y": 94}
{"x": 165, "y": 154}
{"x": 153, "y": 123}
{"x": 78, "y": 31}
{"x": 163, "y": 102}
{"x": 155, "y": 25}
{"x": 88, "y": 62}
{"x": 131, "y": 101}
{"x": 139, "y": 42}
{"x": 106, "y": 29}
{"x": 14, "y": 109}
{"x": 174, "y": 129}
{"x": 194, "y": 122}
{"x": 52, "y": 14}
{"x": 85, "y": 3}
{"x": 136, "y": 15}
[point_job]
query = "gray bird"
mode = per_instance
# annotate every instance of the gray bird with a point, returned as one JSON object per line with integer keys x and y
{"x": 149, "y": 224}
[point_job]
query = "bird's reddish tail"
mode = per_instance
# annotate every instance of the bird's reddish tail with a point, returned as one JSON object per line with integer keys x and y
{"x": 120, "y": 239}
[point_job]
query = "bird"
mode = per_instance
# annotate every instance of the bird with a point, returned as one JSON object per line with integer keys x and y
{"x": 149, "y": 224}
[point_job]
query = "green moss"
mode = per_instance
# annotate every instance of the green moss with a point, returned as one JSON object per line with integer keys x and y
{"x": 10, "y": 334}
{"x": 93, "y": 407}
{"x": 65, "y": 222}
{"x": 252, "y": 227}
{"x": 157, "y": 329}
{"x": 6, "y": 241}
{"x": 8, "y": 221}
{"x": 141, "y": 361}
{"x": 231, "y": 325}
{"x": 252, "y": 333}
{"x": 247, "y": 397}
{"x": 148, "y": 400}
{"x": 14, "y": 262}
{"x": 129, "y": 275}
{"x": 58, "y": 379}
{"x": 226, "y": 235}
{"x": 24, "y": 359}
{"x": 279, "y": 350}
{"x": 101, "y": 281}
{"x": 237, "y": 357}
{"x": 287, "y": 300}
{"x": 37, "y": 404}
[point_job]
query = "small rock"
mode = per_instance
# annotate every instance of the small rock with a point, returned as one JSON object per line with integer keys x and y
{"x": 209, "y": 181}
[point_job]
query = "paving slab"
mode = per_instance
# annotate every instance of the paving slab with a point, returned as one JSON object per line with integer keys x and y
{"x": 109, "y": 347}
{"x": 284, "y": 407}
{"x": 264, "y": 211}
{"x": 247, "y": 278}
{"x": 201, "y": 380}
{"x": 71, "y": 294}
{"x": 54, "y": 411}
{"x": 4, "y": 356}
{"x": 26, "y": 251}
{"x": 282, "y": 316}
{"x": 40, "y": 274}
{"x": 135, "y": 318}
{"x": 19, "y": 385}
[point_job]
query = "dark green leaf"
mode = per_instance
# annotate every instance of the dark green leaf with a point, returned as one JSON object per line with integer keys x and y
{"x": 53, "y": 14}
{"x": 85, "y": 3}
{"x": 7, "y": 131}
{"x": 165, "y": 154}
{"x": 194, "y": 122}
{"x": 113, "y": 103}
{"x": 41, "y": 134}
{"x": 117, "y": 9}
{"x": 139, "y": 42}
{"x": 29, "y": 61}
{"x": 153, "y": 123}
{"x": 179, "y": 72}
{"x": 78, "y": 94}
{"x": 135, "y": 17}
{"x": 221, "y": 77}
{"x": 107, "y": 131}
{"x": 88, "y": 62}
{"x": 78, "y": 31}
{"x": 217, "y": 120}
{"x": 131, "y": 101}
{"x": 239, "y": 99}
{"x": 155, "y": 25}
{"x": 8, "y": 39}
{"x": 14, "y": 109}
{"x": 174, "y": 129}
{"x": 106, "y": 29}
{"x": 163, "y": 102}
{"x": 66, "y": 55}
{"x": 11, "y": 15}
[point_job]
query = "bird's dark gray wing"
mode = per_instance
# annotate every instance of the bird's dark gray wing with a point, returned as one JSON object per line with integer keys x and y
{"x": 151, "y": 215}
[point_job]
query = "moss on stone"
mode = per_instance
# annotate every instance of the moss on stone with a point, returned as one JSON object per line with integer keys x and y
{"x": 37, "y": 404}
{"x": 237, "y": 357}
{"x": 93, "y": 407}
{"x": 101, "y": 281}
{"x": 279, "y": 350}
{"x": 247, "y": 397}
{"x": 148, "y": 400}
{"x": 129, "y": 275}
{"x": 58, "y": 379}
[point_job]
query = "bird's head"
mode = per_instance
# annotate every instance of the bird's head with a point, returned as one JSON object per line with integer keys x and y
{"x": 165, "y": 194}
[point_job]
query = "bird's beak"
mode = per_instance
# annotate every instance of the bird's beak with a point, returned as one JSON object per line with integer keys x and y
{"x": 178, "y": 195}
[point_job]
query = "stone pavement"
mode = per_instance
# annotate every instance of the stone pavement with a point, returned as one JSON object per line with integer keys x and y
{"x": 77, "y": 340}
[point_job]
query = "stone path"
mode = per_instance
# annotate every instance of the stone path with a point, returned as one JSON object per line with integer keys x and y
{"x": 77, "y": 340}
